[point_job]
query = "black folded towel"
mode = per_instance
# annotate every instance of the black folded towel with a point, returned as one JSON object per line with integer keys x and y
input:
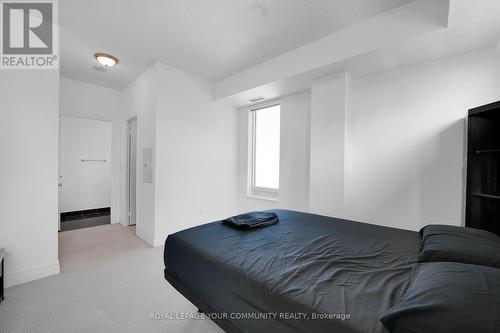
{"x": 252, "y": 220}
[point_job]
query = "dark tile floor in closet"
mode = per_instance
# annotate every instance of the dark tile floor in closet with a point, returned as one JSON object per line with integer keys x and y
{"x": 85, "y": 219}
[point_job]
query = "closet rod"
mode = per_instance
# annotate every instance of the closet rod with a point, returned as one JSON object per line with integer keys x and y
{"x": 85, "y": 160}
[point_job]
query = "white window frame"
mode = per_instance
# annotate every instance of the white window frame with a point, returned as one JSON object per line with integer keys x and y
{"x": 256, "y": 191}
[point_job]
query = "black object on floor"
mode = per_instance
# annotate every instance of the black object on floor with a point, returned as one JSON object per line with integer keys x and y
{"x": 85, "y": 219}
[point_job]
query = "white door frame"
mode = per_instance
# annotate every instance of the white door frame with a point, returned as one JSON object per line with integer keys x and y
{"x": 131, "y": 209}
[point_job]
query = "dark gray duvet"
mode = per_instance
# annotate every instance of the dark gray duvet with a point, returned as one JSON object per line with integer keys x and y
{"x": 304, "y": 265}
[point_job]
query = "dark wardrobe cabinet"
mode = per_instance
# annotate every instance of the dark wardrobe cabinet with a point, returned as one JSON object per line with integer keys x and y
{"x": 483, "y": 168}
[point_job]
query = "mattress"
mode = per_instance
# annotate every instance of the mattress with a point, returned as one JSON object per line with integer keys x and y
{"x": 307, "y": 273}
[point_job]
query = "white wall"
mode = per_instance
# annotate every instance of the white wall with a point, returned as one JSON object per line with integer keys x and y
{"x": 85, "y": 185}
{"x": 28, "y": 173}
{"x": 195, "y": 145}
{"x": 196, "y": 148}
{"x": 89, "y": 101}
{"x": 408, "y": 138}
{"x": 403, "y": 142}
{"x": 139, "y": 100}
{"x": 329, "y": 111}
{"x": 294, "y": 156}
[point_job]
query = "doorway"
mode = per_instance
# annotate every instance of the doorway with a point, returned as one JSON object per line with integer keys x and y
{"x": 132, "y": 170}
{"x": 84, "y": 173}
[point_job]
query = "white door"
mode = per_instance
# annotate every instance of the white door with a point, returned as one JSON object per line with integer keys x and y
{"x": 84, "y": 164}
{"x": 132, "y": 170}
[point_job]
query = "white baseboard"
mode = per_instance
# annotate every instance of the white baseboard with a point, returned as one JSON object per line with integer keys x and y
{"x": 13, "y": 279}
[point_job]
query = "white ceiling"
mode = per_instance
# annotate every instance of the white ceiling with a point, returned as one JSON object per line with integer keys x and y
{"x": 469, "y": 26}
{"x": 212, "y": 39}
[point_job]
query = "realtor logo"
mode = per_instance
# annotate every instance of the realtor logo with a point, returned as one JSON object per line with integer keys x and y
{"x": 29, "y": 35}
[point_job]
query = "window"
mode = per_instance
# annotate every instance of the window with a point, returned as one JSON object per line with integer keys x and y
{"x": 265, "y": 151}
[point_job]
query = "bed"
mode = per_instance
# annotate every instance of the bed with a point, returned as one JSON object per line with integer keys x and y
{"x": 308, "y": 273}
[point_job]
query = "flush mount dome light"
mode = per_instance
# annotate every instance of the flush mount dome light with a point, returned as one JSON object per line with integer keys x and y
{"x": 106, "y": 60}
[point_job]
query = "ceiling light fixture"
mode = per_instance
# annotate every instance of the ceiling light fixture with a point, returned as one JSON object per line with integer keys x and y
{"x": 107, "y": 60}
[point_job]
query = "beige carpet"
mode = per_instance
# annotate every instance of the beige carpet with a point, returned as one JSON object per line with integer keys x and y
{"x": 110, "y": 281}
